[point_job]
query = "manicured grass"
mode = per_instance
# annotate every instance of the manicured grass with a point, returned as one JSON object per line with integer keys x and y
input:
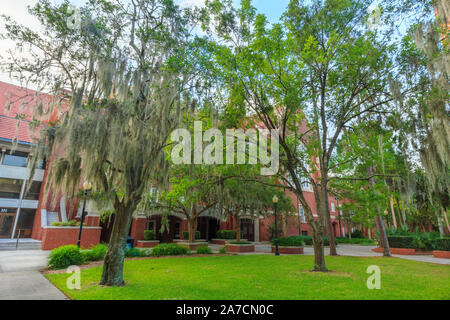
{"x": 264, "y": 277}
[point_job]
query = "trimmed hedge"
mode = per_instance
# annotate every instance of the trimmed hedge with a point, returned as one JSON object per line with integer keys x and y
{"x": 406, "y": 242}
{"x": 289, "y": 242}
{"x": 203, "y": 250}
{"x": 442, "y": 244}
{"x": 64, "y": 257}
{"x": 186, "y": 235}
{"x": 71, "y": 223}
{"x": 361, "y": 241}
{"x": 96, "y": 253}
{"x": 226, "y": 234}
{"x": 169, "y": 249}
{"x": 308, "y": 240}
{"x": 357, "y": 234}
{"x": 150, "y": 235}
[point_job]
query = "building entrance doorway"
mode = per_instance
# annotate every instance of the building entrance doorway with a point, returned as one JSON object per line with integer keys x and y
{"x": 6, "y": 224}
{"x": 247, "y": 229}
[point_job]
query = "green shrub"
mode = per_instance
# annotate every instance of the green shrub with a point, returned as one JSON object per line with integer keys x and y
{"x": 425, "y": 240}
{"x": 223, "y": 250}
{"x": 186, "y": 235}
{"x": 308, "y": 240}
{"x": 71, "y": 223}
{"x": 226, "y": 234}
{"x": 401, "y": 231}
{"x": 96, "y": 253}
{"x": 149, "y": 235}
{"x": 420, "y": 240}
{"x": 239, "y": 242}
{"x": 357, "y": 234}
{"x": 64, "y": 256}
{"x": 360, "y": 241}
{"x": 133, "y": 252}
{"x": 169, "y": 249}
{"x": 442, "y": 244}
{"x": 203, "y": 250}
{"x": 293, "y": 241}
{"x": 401, "y": 242}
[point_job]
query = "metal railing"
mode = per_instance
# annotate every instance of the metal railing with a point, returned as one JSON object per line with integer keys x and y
{"x": 18, "y": 237}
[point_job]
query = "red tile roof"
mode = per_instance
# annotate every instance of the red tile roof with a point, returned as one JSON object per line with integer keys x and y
{"x": 18, "y": 101}
{"x": 8, "y": 129}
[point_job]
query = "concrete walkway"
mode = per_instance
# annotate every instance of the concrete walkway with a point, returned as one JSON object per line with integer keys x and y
{"x": 345, "y": 250}
{"x": 20, "y": 278}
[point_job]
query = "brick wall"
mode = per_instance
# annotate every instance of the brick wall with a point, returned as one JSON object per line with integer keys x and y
{"x": 54, "y": 237}
{"x": 137, "y": 229}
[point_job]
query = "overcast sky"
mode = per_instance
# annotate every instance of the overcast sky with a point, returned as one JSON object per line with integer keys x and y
{"x": 17, "y": 9}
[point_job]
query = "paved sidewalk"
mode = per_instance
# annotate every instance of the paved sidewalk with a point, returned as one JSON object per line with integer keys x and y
{"x": 345, "y": 250}
{"x": 20, "y": 278}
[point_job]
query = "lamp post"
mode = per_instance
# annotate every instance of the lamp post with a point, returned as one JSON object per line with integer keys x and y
{"x": 86, "y": 187}
{"x": 275, "y": 203}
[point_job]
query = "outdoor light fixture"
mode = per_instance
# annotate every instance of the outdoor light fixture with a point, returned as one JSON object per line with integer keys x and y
{"x": 87, "y": 186}
{"x": 275, "y": 203}
{"x": 275, "y": 199}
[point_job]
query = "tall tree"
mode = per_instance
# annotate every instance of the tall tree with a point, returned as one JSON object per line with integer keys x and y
{"x": 125, "y": 70}
{"x": 308, "y": 78}
{"x": 424, "y": 61}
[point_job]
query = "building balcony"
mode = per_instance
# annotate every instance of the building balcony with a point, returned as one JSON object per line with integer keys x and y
{"x": 15, "y": 203}
{"x": 12, "y": 172}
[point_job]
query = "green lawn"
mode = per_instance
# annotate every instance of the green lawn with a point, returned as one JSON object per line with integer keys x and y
{"x": 264, "y": 277}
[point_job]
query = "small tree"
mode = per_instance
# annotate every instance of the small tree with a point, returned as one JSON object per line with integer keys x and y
{"x": 251, "y": 195}
{"x": 192, "y": 192}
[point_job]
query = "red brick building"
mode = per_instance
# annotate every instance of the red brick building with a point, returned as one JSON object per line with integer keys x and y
{"x": 32, "y": 214}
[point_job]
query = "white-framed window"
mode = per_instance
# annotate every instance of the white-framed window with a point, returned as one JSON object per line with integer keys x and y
{"x": 306, "y": 186}
{"x": 333, "y": 207}
{"x": 302, "y": 213}
{"x": 177, "y": 230}
{"x": 151, "y": 225}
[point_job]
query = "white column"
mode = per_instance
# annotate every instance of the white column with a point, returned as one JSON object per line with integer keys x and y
{"x": 256, "y": 229}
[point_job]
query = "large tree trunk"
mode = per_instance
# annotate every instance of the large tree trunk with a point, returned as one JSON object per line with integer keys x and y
{"x": 440, "y": 224}
{"x": 383, "y": 237}
{"x": 112, "y": 274}
{"x": 394, "y": 220}
{"x": 403, "y": 213}
{"x": 444, "y": 213}
{"x": 326, "y": 213}
{"x": 192, "y": 226}
{"x": 379, "y": 222}
{"x": 397, "y": 202}
{"x": 319, "y": 250}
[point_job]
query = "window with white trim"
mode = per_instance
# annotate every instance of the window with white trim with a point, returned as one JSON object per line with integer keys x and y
{"x": 333, "y": 207}
{"x": 306, "y": 186}
{"x": 302, "y": 213}
{"x": 151, "y": 225}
